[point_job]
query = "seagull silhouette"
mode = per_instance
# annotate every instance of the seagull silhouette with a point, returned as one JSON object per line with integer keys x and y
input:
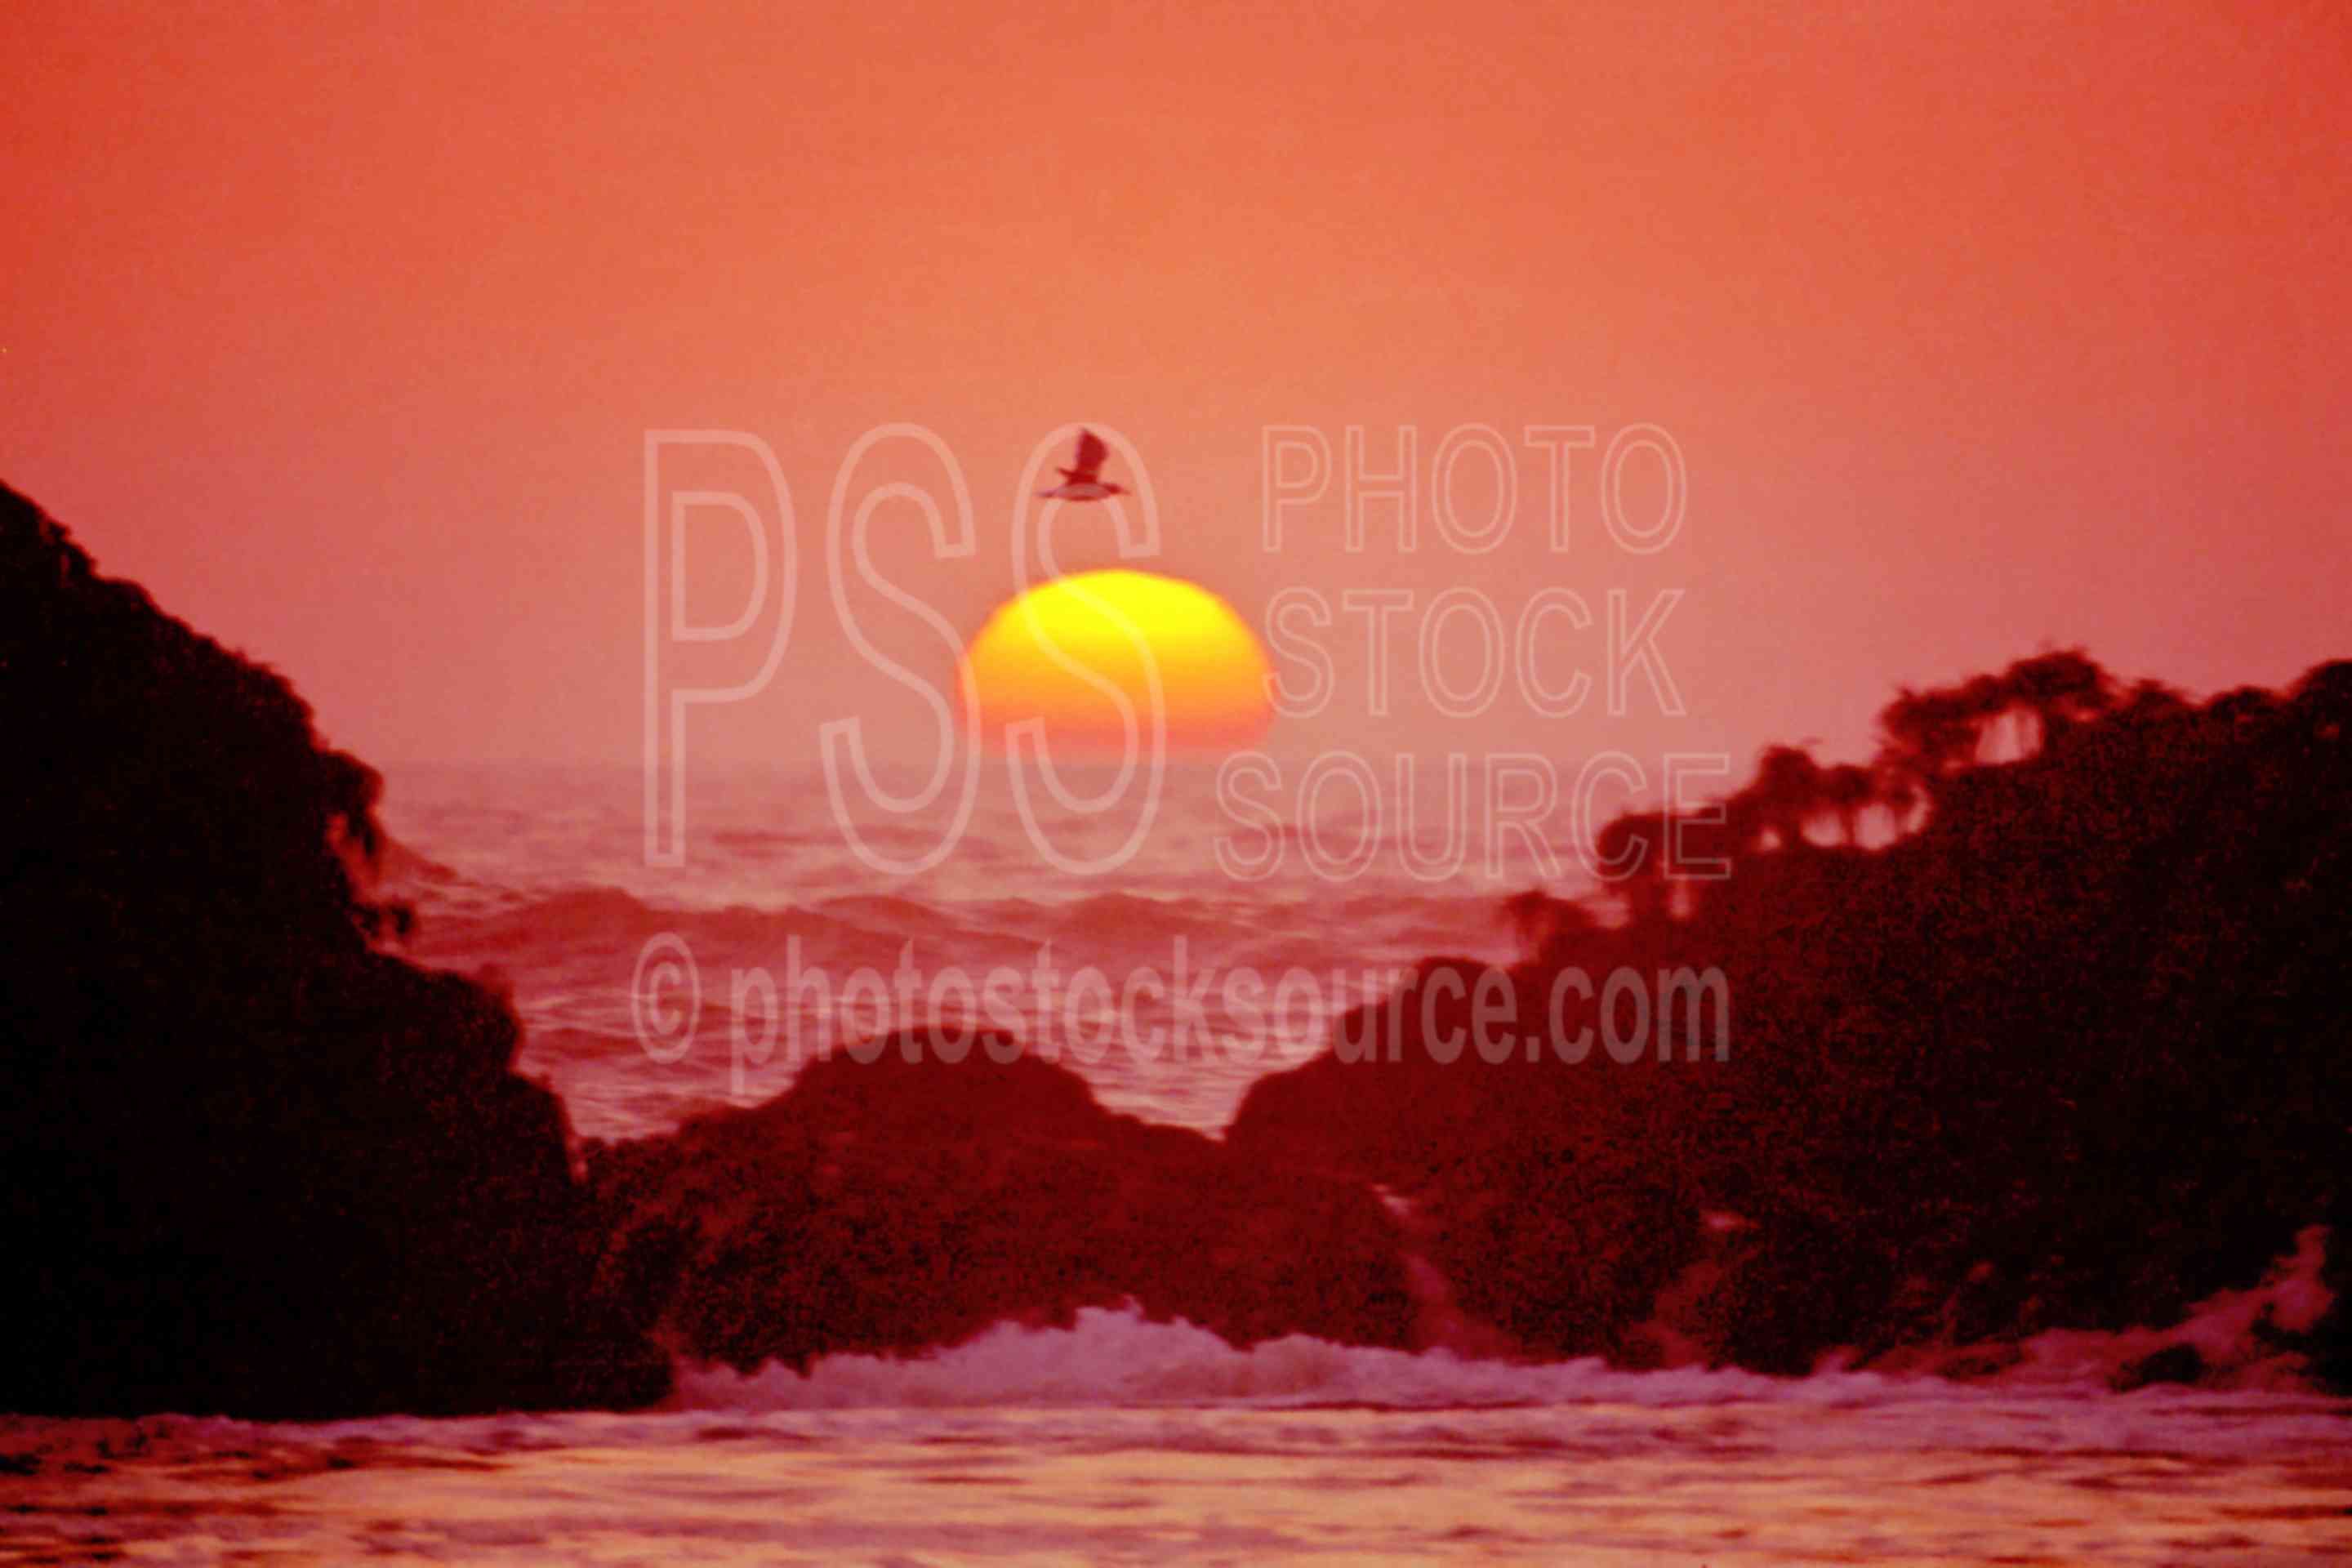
{"x": 1084, "y": 481}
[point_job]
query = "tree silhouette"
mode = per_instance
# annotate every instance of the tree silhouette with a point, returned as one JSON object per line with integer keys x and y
{"x": 2060, "y": 691}
{"x": 2324, "y": 698}
{"x": 1787, "y": 793}
{"x": 1848, "y": 789}
{"x": 1632, "y": 851}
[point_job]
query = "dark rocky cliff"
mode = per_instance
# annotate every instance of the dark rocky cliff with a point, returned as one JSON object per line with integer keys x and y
{"x": 249, "y": 1163}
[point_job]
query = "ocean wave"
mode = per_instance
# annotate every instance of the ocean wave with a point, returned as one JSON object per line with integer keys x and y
{"x": 516, "y": 928}
{"x": 523, "y": 926}
{"x": 887, "y": 912}
{"x": 1119, "y": 1359}
{"x": 2232, "y": 1338}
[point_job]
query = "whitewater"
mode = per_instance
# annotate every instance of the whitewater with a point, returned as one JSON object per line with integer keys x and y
{"x": 1113, "y": 1439}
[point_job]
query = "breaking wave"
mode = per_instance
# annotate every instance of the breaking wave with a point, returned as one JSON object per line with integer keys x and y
{"x": 1121, "y": 1359}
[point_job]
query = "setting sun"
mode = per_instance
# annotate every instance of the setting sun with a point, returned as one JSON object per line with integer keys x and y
{"x": 1066, "y": 653}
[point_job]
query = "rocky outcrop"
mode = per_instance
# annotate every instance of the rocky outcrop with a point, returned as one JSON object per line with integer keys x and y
{"x": 909, "y": 1201}
{"x": 249, "y": 1163}
{"x": 2064, "y": 1047}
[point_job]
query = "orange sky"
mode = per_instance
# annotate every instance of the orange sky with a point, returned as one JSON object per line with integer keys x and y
{"x": 1979, "y": 327}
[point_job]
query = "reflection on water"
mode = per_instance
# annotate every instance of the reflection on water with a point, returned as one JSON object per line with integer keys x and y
{"x": 1831, "y": 1469}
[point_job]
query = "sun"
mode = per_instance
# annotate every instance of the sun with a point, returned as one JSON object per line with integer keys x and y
{"x": 1065, "y": 652}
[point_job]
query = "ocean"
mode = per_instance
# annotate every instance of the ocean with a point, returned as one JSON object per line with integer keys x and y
{"x": 651, "y": 993}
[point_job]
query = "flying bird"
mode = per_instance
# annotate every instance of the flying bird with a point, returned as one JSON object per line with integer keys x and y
{"x": 1084, "y": 480}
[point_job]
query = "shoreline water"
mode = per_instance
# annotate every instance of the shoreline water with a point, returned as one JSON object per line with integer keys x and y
{"x": 1720, "y": 1468}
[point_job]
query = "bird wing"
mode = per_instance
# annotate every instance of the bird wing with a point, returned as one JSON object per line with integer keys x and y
{"x": 1091, "y": 453}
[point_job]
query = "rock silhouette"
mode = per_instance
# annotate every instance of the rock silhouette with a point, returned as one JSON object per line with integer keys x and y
{"x": 248, "y": 1164}
{"x": 2068, "y": 1049}
{"x": 907, "y": 1201}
